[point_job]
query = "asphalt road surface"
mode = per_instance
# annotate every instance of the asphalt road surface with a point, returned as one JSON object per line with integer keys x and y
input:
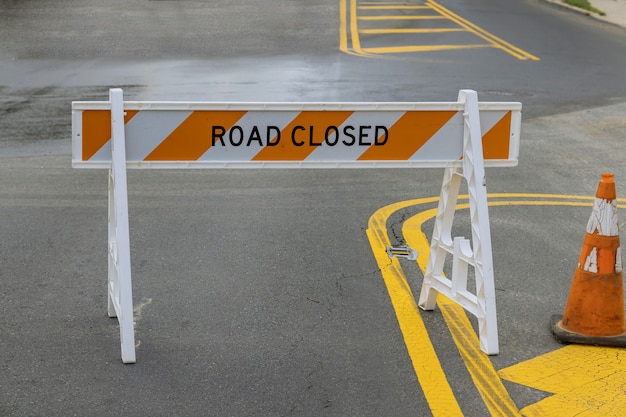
{"x": 256, "y": 291}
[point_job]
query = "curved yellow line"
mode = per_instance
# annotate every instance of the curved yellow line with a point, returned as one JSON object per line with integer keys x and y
{"x": 426, "y": 364}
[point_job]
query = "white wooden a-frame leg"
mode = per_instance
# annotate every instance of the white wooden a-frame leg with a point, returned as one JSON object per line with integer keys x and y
{"x": 479, "y": 253}
{"x": 120, "y": 295}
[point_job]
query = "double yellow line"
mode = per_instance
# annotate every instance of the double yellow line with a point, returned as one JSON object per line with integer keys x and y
{"x": 350, "y": 41}
{"x": 426, "y": 363}
{"x": 495, "y": 41}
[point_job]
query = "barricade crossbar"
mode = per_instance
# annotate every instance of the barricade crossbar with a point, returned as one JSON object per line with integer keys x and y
{"x": 292, "y": 135}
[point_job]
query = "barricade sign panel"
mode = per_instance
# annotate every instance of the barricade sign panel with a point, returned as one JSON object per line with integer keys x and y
{"x": 463, "y": 137}
{"x": 292, "y": 135}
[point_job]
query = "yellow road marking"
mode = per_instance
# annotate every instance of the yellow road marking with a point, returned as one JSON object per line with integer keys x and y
{"x": 356, "y": 42}
{"x": 401, "y": 17}
{"x": 350, "y": 42}
{"x": 586, "y": 380}
{"x": 343, "y": 30}
{"x": 485, "y": 377}
{"x": 494, "y": 40}
{"x": 425, "y": 362}
{"x": 438, "y": 393}
{"x": 392, "y": 7}
{"x": 414, "y": 48}
{"x": 407, "y": 30}
{"x": 386, "y": 3}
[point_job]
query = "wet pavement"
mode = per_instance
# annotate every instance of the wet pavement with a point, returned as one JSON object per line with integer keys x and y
{"x": 256, "y": 292}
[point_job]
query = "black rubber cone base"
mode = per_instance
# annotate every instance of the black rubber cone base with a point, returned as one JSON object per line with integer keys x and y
{"x": 565, "y": 336}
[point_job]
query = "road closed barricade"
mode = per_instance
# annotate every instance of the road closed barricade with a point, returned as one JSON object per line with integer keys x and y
{"x": 463, "y": 137}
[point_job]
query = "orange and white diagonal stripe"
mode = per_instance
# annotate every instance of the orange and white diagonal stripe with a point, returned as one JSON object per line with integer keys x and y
{"x": 295, "y": 134}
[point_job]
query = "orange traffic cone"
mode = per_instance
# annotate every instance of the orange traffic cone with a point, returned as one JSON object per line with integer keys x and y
{"x": 594, "y": 313}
